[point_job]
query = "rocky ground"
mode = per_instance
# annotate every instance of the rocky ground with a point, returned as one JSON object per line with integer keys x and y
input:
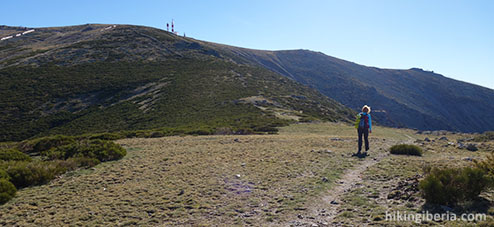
{"x": 305, "y": 176}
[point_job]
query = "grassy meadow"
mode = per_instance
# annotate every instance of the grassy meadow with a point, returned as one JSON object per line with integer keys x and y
{"x": 244, "y": 180}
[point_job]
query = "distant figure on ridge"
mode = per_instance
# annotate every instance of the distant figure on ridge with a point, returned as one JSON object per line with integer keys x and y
{"x": 363, "y": 123}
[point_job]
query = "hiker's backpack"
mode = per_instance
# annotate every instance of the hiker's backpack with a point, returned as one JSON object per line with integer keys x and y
{"x": 363, "y": 121}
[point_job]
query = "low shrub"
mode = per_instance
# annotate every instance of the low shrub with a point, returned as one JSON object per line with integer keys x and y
{"x": 99, "y": 149}
{"x": 7, "y": 190}
{"x": 104, "y": 136}
{"x": 156, "y": 134}
{"x": 59, "y": 155}
{"x": 200, "y": 132}
{"x": 37, "y": 146}
{"x": 244, "y": 131}
{"x": 4, "y": 175}
{"x": 13, "y": 155}
{"x": 487, "y": 164}
{"x": 406, "y": 149}
{"x": 450, "y": 186}
{"x": 25, "y": 174}
{"x": 223, "y": 131}
{"x": 484, "y": 137}
{"x": 84, "y": 162}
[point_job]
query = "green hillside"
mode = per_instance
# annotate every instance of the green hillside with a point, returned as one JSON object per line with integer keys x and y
{"x": 106, "y": 83}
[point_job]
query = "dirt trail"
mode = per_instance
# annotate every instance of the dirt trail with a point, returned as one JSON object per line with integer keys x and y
{"x": 348, "y": 181}
{"x": 326, "y": 209}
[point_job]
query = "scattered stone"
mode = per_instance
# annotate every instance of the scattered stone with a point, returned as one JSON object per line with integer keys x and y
{"x": 427, "y": 139}
{"x": 461, "y": 145}
{"x": 472, "y": 147}
{"x": 300, "y": 216}
{"x": 314, "y": 225}
{"x": 468, "y": 159}
{"x": 378, "y": 218}
{"x": 334, "y": 202}
{"x": 439, "y": 133}
{"x": 373, "y": 196}
{"x": 444, "y": 138}
{"x": 238, "y": 175}
{"x": 324, "y": 179}
{"x": 405, "y": 189}
{"x": 243, "y": 164}
{"x": 323, "y": 151}
{"x": 181, "y": 192}
{"x": 236, "y": 140}
{"x": 336, "y": 139}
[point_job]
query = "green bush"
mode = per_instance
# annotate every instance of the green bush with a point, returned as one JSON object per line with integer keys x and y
{"x": 156, "y": 134}
{"x": 450, "y": 186}
{"x": 99, "y": 149}
{"x": 484, "y": 137}
{"x": 406, "y": 149}
{"x": 13, "y": 155}
{"x": 105, "y": 136}
{"x": 40, "y": 145}
{"x": 7, "y": 190}
{"x": 25, "y": 174}
{"x": 4, "y": 175}
{"x": 85, "y": 162}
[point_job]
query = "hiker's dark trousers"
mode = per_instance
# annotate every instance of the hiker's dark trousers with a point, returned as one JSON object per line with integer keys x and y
{"x": 363, "y": 132}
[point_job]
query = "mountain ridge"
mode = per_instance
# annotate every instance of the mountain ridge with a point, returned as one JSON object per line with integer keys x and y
{"x": 390, "y": 90}
{"x": 397, "y": 95}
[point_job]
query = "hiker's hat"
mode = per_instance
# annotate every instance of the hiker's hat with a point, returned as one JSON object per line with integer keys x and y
{"x": 368, "y": 107}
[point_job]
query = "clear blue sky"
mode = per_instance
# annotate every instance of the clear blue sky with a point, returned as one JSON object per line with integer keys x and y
{"x": 453, "y": 38}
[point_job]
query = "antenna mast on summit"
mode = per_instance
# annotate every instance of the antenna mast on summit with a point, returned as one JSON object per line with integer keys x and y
{"x": 173, "y": 27}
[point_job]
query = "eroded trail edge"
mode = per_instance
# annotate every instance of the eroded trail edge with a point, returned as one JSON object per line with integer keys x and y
{"x": 325, "y": 209}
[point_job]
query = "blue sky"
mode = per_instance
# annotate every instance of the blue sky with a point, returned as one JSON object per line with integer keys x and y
{"x": 453, "y": 38}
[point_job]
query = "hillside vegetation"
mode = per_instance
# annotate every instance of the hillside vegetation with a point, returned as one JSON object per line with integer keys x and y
{"x": 134, "y": 78}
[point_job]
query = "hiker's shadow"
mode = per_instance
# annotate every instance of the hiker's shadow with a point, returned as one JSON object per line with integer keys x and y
{"x": 360, "y": 155}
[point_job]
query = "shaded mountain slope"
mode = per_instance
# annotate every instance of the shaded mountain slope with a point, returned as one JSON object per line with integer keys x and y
{"x": 403, "y": 98}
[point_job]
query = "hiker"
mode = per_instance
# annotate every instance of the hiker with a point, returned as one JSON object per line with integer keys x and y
{"x": 363, "y": 124}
